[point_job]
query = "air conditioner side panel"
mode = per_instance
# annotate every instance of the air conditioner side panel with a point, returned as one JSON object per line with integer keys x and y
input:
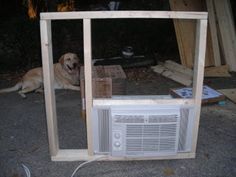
{"x": 101, "y": 129}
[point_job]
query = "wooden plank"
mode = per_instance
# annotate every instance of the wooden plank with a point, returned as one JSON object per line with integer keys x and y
{"x": 173, "y": 75}
{"x": 229, "y": 93}
{"x": 142, "y": 101}
{"x": 47, "y": 61}
{"x": 179, "y": 68}
{"x": 122, "y": 14}
{"x": 199, "y": 61}
{"x": 185, "y": 37}
{"x": 185, "y": 33}
{"x": 88, "y": 81}
{"x": 73, "y": 155}
{"x": 226, "y": 32}
{"x": 218, "y": 71}
{"x": 82, "y": 155}
{"x": 178, "y": 77}
{"x": 213, "y": 32}
{"x": 68, "y": 154}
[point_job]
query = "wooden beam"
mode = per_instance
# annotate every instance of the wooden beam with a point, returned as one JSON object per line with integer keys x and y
{"x": 122, "y": 14}
{"x": 175, "y": 72}
{"x": 227, "y": 32}
{"x": 143, "y": 101}
{"x": 218, "y": 71}
{"x": 88, "y": 81}
{"x": 48, "y": 76}
{"x": 82, "y": 155}
{"x": 173, "y": 75}
{"x": 213, "y": 32}
{"x": 229, "y": 93}
{"x": 179, "y": 68}
{"x": 46, "y": 44}
{"x": 185, "y": 33}
{"x": 199, "y": 61}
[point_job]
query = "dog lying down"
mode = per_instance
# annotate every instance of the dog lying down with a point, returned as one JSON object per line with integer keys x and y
{"x": 66, "y": 76}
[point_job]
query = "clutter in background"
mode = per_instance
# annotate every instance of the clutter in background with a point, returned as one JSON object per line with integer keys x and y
{"x": 221, "y": 46}
{"x": 209, "y": 95}
{"x": 107, "y": 81}
{"x": 229, "y": 93}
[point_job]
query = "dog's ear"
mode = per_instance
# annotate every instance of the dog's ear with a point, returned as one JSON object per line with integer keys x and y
{"x": 61, "y": 60}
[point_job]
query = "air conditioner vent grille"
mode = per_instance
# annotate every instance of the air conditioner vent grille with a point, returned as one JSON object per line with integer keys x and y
{"x": 156, "y": 138}
{"x": 167, "y": 144}
{"x": 168, "y": 130}
{"x": 103, "y": 129}
{"x": 129, "y": 119}
{"x": 162, "y": 118}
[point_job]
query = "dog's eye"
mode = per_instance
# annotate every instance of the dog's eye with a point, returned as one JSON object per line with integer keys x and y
{"x": 68, "y": 59}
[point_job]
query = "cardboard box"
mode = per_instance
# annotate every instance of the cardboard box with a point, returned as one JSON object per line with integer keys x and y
{"x": 107, "y": 81}
{"x": 209, "y": 95}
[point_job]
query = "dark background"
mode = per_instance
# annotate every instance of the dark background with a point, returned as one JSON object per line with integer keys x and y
{"x": 20, "y": 36}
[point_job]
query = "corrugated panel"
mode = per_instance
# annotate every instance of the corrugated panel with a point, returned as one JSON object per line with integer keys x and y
{"x": 103, "y": 129}
{"x": 184, "y": 120}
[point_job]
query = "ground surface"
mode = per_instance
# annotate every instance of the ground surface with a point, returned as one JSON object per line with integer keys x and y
{"x": 23, "y": 135}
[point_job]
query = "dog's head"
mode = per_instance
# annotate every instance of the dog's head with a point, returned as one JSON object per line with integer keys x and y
{"x": 70, "y": 62}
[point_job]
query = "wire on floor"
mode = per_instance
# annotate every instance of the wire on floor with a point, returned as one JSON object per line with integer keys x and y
{"x": 90, "y": 161}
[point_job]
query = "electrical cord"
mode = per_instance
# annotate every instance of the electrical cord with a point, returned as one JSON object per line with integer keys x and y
{"x": 90, "y": 161}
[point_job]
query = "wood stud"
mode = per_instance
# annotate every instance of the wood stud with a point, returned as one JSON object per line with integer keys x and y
{"x": 46, "y": 45}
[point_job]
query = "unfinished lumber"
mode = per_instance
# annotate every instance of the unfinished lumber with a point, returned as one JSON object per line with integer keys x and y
{"x": 49, "y": 92}
{"x": 122, "y": 14}
{"x": 218, "y": 71}
{"x": 186, "y": 31}
{"x": 88, "y": 82}
{"x": 226, "y": 32}
{"x": 213, "y": 32}
{"x": 179, "y": 68}
{"x": 229, "y": 93}
{"x": 194, "y": 104}
{"x": 173, "y": 75}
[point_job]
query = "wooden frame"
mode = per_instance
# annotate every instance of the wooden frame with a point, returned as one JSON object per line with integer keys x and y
{"x": 46, "y": 44}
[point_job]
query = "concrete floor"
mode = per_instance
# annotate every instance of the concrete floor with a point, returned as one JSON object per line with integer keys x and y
{"x": 23, "y": 137}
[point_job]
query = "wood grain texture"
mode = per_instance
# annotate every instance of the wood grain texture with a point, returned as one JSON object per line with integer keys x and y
{"x": 213, "y": 32}
{"x": 50, "y": 105}
{"x": 123, "y": 14}
{"x": 87, "y": 154}
{"x": 82, "y": 155}
{"x": 229, "y": 93}
{"x": 88, "y": 81}
{"x": 218, "y": 71}
{"x": 199, "y": 61}
{"x": 186, "y": 31}
{"x": 227, "y": 32}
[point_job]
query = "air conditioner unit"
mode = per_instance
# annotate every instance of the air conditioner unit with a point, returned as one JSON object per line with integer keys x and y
{"x": 141, "y": 131}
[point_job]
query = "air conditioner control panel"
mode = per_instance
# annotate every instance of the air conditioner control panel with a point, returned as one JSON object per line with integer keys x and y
{"x": 117, "y": 143}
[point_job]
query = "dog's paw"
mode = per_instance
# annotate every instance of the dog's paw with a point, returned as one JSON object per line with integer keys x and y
{"x": 72, "y": 87}
{"x": 39, "y": 90}
{"x": 22, "y": 94}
